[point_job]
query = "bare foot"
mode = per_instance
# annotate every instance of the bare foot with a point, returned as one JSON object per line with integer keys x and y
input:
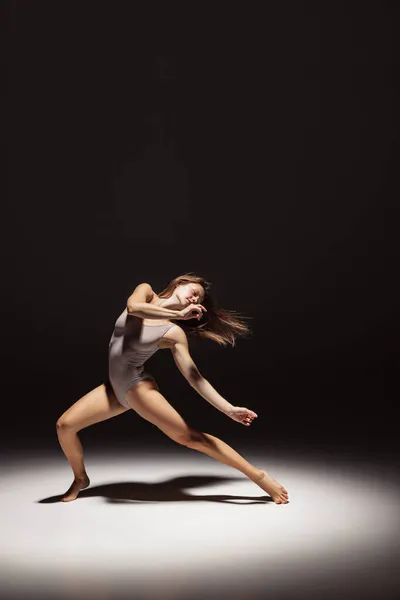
{"x": 74, "y": 489}
{"x": 277, "y": 492}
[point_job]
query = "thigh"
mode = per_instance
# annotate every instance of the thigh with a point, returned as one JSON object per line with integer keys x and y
{"x": 147, "y": 401}
{"x": 97, "y": 405}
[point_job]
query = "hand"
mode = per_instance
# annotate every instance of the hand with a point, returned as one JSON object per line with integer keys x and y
{"x": 193, "y": 311}
{"x": 242, "y": 415}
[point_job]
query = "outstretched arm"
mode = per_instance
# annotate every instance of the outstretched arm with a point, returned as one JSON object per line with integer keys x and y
{"x": 186, "y": 365}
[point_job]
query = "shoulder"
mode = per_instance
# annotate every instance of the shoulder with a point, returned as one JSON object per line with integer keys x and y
{"x": 145, "y": 287}
{"x": 143, "y": 291}
{"x": 176, "y": 335}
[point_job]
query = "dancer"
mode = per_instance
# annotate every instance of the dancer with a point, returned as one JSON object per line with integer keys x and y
{"x": 146, "y": 325}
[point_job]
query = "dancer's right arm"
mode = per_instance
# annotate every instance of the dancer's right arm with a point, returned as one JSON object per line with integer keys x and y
{"x": 138, "y": 305}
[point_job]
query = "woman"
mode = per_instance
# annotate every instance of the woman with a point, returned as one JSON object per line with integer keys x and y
{"x": 146, "y": 325}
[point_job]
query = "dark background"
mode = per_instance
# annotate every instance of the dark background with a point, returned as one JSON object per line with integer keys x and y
{"x": 255, "y": 146}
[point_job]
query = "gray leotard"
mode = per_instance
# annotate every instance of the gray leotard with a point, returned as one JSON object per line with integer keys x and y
{"x": 131, "y": 344}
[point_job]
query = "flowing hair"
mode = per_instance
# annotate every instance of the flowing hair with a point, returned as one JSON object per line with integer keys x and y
{"x": 218, "y": 324}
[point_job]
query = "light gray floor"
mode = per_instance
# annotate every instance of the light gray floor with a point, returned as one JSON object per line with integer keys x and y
{"x": 178, "y": 525}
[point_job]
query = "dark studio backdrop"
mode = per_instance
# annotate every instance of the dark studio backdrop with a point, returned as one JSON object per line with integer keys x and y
{"x": 254, "y": 146}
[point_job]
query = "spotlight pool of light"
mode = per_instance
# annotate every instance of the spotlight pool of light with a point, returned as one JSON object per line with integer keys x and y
{"x": 179, "y": 521}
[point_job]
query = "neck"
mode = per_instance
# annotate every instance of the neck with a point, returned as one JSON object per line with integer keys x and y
{"x": 167, "y": 302}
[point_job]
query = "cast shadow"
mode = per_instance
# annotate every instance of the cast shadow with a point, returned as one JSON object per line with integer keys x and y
{"x": 172, "y": 490}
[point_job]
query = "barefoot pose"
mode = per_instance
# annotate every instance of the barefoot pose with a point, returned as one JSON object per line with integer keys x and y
{"x": 146, "y": 325}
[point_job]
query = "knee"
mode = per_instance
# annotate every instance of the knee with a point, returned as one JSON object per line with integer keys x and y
{"x": 64, "y": 424}
{"x": 191, "y": 438}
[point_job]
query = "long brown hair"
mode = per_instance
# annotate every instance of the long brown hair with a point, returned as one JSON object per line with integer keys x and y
{"x": 219, "y": 324}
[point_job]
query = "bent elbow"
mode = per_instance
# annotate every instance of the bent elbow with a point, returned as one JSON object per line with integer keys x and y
{"x": 194, "y": 377}
{"x": 131, "y": 308}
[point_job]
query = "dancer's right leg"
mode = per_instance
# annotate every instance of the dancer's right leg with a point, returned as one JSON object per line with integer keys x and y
{"x": 98, "y": 405}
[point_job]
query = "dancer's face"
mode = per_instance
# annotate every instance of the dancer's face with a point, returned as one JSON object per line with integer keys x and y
{"x": 190, "y": 293}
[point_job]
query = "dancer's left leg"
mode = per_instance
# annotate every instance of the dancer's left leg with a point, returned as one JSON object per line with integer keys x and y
{"x": 147, "y": 401}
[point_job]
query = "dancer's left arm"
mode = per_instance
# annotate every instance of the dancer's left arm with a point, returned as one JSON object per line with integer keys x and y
{"x": 188, "y": 368}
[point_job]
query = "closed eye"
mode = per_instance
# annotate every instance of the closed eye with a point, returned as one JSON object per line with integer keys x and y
{"x": 196, "y": 294}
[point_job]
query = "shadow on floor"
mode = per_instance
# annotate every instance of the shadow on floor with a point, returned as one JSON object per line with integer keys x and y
{"x": 172, "y": 490}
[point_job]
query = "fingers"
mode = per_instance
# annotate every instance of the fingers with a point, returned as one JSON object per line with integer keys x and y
{"x": 247, "y": 413}
{"x": 194, "y": 312}
{"x": 249, "y": 417}
{"x": 243, "y": 415}
{"x": 200, "y": 314}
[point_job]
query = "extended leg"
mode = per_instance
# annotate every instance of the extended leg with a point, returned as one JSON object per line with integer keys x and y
{"x": 147, "y": 401}
{"x": 216, "y": 448}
